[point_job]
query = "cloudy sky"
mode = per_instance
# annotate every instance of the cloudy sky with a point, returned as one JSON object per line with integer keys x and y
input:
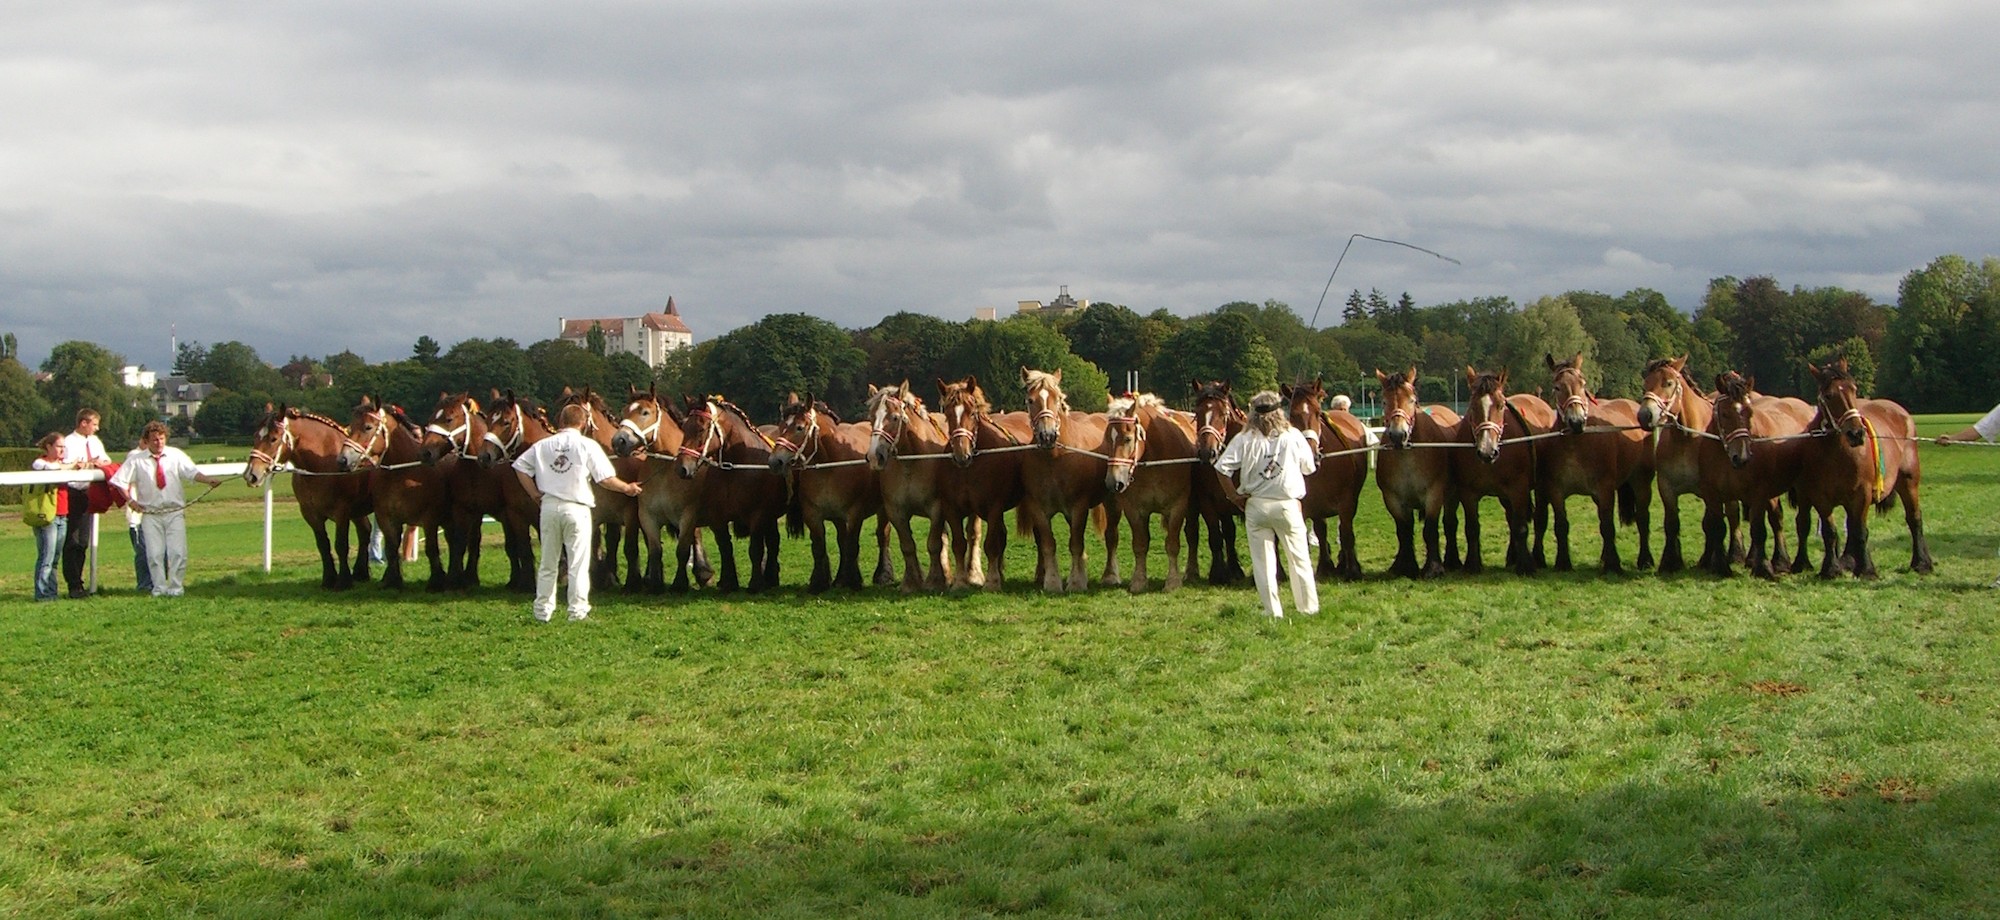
{"x": 311, "y": 176}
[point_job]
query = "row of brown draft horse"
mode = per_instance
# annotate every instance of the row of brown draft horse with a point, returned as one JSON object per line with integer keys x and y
{"x": 705, "y": 466}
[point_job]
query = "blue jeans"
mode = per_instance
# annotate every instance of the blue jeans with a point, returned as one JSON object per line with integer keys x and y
{"x": 48, "y": 557}
{"x": 139, "y": 559}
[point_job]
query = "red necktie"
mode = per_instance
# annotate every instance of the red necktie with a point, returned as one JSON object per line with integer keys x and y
{"x": 159, "y": 472}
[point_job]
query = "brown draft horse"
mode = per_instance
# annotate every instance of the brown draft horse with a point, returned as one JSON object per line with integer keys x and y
{"x": 1152, "y": 470}
{"x": 1065, "y": 478}
{"x": 1493, "y": 418}
{"x": 311, "y": 445}
{"x": 512, "y": 425}
{"x": 739, "y": 492}
{"x": 650, "y": 431}
{"x": 1333, "y": 490}
{"x": 1604, "y": 454}
{"x": 615, "y": 518}
{"x": 1415, "y": 478}
{"x": 1762, "y": 450}
{"x": 983, "y": 481}
{"x": 405, "y": 491}
{"x": 451, "y": 442}
{"x": 906, "y": 451}
{"x": 827, "y": 461}
{"x": 1868, "y": 456}
{"x": 1217, "y": 419}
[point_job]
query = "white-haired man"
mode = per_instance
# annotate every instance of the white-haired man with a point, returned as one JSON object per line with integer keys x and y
{"x": 1269, "y": 462}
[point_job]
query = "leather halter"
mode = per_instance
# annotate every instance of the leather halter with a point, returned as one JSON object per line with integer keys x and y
{"x": 513, "y": 441}
{"x": 452, "y": 436}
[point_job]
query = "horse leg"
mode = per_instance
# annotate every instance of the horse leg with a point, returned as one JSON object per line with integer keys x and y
{"x": 327, "y": 578}
{"x": 440, "y": 576}
{"x": 1405, "y": 563}
{"x": 392, "y": 561}
{"x": 1760, "y": 561}
{"x": 1190, "y": 537}
{"x": 1670, "y": 528}
{"x": 1108, "y": 516}
{"x": 1474, "y": 558}
{"x": 885, "y": 572}
{"x": 1542, "y": 507}
{"x": 1219, "y": 547}
{"x": 820, "y": 579}
{"x": 996, "y": 549}
{"x": 1172, "y": 526}
{"x": 1078, "y": 519}
{"x": 683, "y": 536}
{"x": 1782, "y": 562}
{"x": 725, "y": 546}
{"x": 1541, "y": 556}
{"x": 1737, "y": 553}
{"x": 1913, "y": 518}
{"x": 1323, "y": 565}
{"x": 1715, "y": 532}
{"x": 1042, "y": 524}
{"x": 704, "y": 572}
{"x": 1607, "y": 530}
{"x": 1142, "y": 544}
{"x": 1642, "y": 516}
{"x": 1857, "y": 538}
{"x": 1520, "y": 519}
{"x": 1433, "y": 563}
{"x": 343, "y": 577}
{"x": 1829, "y": 567}
{"x": 1451, "y": 512}
{"x": 654, "y": 579}
{"x": 847, "y": 536}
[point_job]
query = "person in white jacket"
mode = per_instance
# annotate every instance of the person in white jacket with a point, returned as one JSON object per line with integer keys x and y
{"x": 1269, "y": 461}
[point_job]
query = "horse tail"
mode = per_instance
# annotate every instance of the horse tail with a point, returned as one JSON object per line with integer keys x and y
{"x": 1886, "y": 504}
{"x": 1628, "y": 504}
{"x": 1022, "y": 527}
{"x": 1100, "y": 519}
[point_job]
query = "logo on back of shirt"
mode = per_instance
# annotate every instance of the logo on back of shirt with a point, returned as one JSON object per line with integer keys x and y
{"x": 561, "y": 462}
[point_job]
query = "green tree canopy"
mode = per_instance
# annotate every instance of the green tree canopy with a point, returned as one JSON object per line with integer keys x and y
{"x": 23, "y": 411}
{"x": 1222, "y": 346}
{"x": 85, "y": 374}
{"x": 910, "y": 346}
{"x": 1548, "y": 327}
{"x": 479, "y": 366}
{"x": 757, "y": 365}
{"x": 996, "y": 352}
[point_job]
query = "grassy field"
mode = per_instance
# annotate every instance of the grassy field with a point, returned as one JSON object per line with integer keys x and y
{"x": 1568, "y": 745}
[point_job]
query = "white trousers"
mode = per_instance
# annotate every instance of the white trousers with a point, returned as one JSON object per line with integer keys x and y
{"x": 1275, "y": 523}
{"x": 166, "y": 538}
{"x": 565, "y": 529}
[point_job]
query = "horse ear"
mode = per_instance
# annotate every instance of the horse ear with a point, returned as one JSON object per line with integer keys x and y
{"x": 1024, "y": 373}
{"x": 1413, "y": 376}
{"x": 941, "y": 386}
{"x": 1470, "y": 374}
{"x": 1057, "y": 375}
{"x": 1549, "y": 359}
{"x": 1381, "y": 377}
{"x": 904, "y": 390}
{"x": 268, "y": 408}
{"x": 972, "y": 381}
{"x": 1194, "y": 385}
{"x": 1578, "y": 360}
{"x": 1319, "y": 381}
{"x": 1285, "y": 391}
{"x": 872, "y": 390}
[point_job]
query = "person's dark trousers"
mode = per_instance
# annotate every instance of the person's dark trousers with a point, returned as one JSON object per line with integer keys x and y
{"x": 76, "y": 545}
{"x": 139, "y": 560}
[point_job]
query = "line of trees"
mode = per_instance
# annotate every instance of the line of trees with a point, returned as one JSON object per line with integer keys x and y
{"x": 1936, "y": 350}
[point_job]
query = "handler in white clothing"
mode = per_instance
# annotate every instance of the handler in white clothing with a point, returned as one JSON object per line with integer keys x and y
{"x": 557, "y": 472}
{"x": 1269, "y": 461}
{"x": 154, "y": 481}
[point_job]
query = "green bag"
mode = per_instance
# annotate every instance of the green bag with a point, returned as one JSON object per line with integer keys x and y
{"x": 38, "y": 505}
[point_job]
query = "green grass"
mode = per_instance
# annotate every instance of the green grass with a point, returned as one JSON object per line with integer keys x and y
{"x": 1567, "y": 745}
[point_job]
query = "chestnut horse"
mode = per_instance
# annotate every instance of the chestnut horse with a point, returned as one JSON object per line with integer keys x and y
{"x": 615, "y": 518}
{"x": 451, "y": 442}
{"x": 1678, "y": 413}
{"x": 739, "y": 494}
{"x": 1217, "y": 419}
{"x": 650, "y": 432}
{"x": 1152, "y": 470}
{"x": 326, "y": 491}
{"x": 1761, "y": 451}
{"x": 983, "y": 481}
{"x": 1414, "y": 473}
{"x": 1604, "y": 454}
{"x": 828, "y": 463}
{"x": 906, "y": 451}
{"x": 1868, "y": 456}
{"x": 405, "y": 491}
{"x": 1333, "y": 490}
{"x": 1494, "y": 421}
{"x": 1065, "y": 477}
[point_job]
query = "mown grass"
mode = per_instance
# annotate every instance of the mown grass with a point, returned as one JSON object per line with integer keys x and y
{"x": 1568, "y": 745}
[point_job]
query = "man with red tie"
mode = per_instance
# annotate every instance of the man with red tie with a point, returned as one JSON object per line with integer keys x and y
{"x": 153, "y": 479}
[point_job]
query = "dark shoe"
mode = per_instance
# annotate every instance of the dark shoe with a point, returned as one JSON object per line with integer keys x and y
{"x": 78, "y": 594}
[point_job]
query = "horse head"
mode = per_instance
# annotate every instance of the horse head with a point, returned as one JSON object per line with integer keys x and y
{"x": 798, "y": 433}
{"x": 1573, "y": 397}
{"x": 1305, "y": 406}
{"x": 1487, "y": 411}
{"x": 1127, "y": 437}
{"x": 368, "y": 435}
{"x": 701, "y": 435}
{"x": 648, "y": 424}
{"x": 1734, "y": 416}
{"x": 506, "y": 420}
{"x": 1399, "y": 406}
{"x": 963, "y": 404}
{"x": 1215, "y": 410}
{"x": 455, "y": 426}
{"x": 274, "y": 437}
{"x": 1839, "y": 404}
{"x": 1046, "y": 403}
{"x": 1665, "y": 383}
{"x": 888, "y": 418}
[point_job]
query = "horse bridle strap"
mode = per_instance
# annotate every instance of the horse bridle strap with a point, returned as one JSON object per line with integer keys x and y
{"x": 513, "y": 441}
{"x": 451, "y": 435}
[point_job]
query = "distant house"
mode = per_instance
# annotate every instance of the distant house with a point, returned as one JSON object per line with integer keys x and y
{"x": 650, "y": 336}
{"x": 136, "y": 375}
{"x": 1062, "y": 304}
{"x": 179, "y": 397}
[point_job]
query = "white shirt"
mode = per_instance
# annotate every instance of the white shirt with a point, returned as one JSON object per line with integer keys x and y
{"x": 1989, "y": 427}
{"x": 1273, "y": 467}
{"x": 565, "y": 464}
{"x": 136, "y": 477}
{"x": 76, "y": 447}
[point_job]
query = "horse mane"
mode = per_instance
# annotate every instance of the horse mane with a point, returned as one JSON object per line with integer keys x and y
{"x": 296, "y": 412}
{"x": 1034, "y": 378}
{"x": 1732, "y": 385}
{"x": 793, "y": 410}
{"x": 1398, "y": 380}
{"x": 1486, "y": 382}
{"x": 973, "y": 394}
{"x": 1217, "y": 389}
{"x": 1121, "y": 407}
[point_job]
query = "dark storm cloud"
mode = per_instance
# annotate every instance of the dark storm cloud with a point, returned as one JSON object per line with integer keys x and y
{"x": 307, "y": 177}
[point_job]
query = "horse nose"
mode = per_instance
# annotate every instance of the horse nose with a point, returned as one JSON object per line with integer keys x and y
{"x": 1854, "y": 438}
{"x": 1646, "y": 416}
{"x": 778, "y": 463}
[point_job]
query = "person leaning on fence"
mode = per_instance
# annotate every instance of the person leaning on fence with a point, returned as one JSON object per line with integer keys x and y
{"x": 46, "y": 509}
{"x": 557, "y": 473}
{"x": 155, "y": 481}
{"x": 1269, "y": 462}
{"x": 1986, "y": 429}
{"x": 81, "y": 450}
